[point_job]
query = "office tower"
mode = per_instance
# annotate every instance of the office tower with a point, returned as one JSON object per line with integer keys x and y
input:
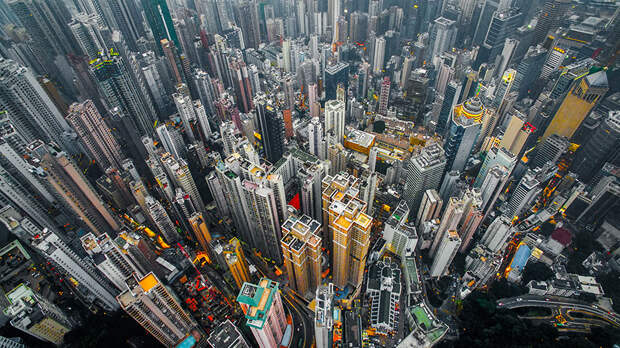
{"x": 450, "y": 99}
{"x": 335, "y": 119}
{"x": 442, "y": 36}
{"x": 465, "y": 126}
{"x": 183, "y": 178}
{"x": 323, "y": 316}
{"x": 185, "y": 107}
{"x": 372, "y": 159}
{"x": 108, "y": 258}
{"x": 497, "y": 233}
{"x": 583, "y": 95}
{"x": 227, "y": 335}
{"x": 378, "y": 56}
{"x": 496, "y": 156}
{"x": 262, "y": 216}
{"x": 528, "y": 70}
{"x": 262, "y": 305}
{"x": 139, "y": 250}
{"x": 89, "y": 34}
{"x": 598, "y": 148}
{"x": 570, "y": 74}
{"x": 523, "y": 195}
{"x": 30, "y": 109}
{"x": 158, "y": 17}
{"x": 162, "y": 221}
{"x": 430, "y": 207}
{"x": 358, "y": 26}
{"x": 504, "y": 23}
{"x": 215, "y": 187}
{"x": 247, "y": 16}
{"x": 316, "y": 144}
{"x": 425, "y": 172}
{"x": 35, "y": 315}
{"x": 549, "y": 18}
{"x": 449, "y": 222}
{"x": 301, "y": 250}
{"x": 492, "y": 186}
{"x": 120, "y": 91}
{"x": 504, "y": 88}
{"x": 200, "y": 230}
{"x": 335, "y": 74}
{"x": 95, "y": 135}
{"x": 149, "y": 303}
{"x": 445, "y": 254}
{"x": 347, "y": 226}
{"x": 232, "y": 190}
{"x": 484, "y": 21}
{"x": 553, "y": 61}
{"x": 449, "y": 185}
{"x": 271, "y": 128}
{"x": 72, "y": 187}
{"x": 399, "y": 235}
{"x": 516, "y": 134}
{"x": 55, "y": 250}
{"x": 472, "y": 216}
{"x": 510, "y": 46}
{"x": 171, "y": 140}
{"x": 384, "y": 97}
{"x": 549, "y": 150}
{"x": 237, "y": 264}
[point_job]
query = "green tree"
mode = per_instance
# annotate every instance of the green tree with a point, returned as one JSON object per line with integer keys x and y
{"x": 536, "y": 271}
{"x": 378, "y": 126}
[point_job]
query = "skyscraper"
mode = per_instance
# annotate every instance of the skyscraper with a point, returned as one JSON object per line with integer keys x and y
{"x": 598, "y": 148}
{"x": 335, "y": 74}
{"x": 384, "y": 97}
{"x": 378, "y": 56}
{"x": 271, "y": 128}
{"x": 72, "y": 187}
{"x": 323, "y": 316}
{"x": 171, "y": 140}
{"x": 442, "y": 36}
{"x": 247, "y": 16}
{"x": 335, "y": 120}
{"x": 237, "y": 264}
{"x": 524, "y": 193}
{"x": 200, "y": 230}
{"x": 68, "y": 262}
{"x": 227, "y": 335}
{"x": 549, "y": 150}
{"x": 149, "y": 303}
{"x": 316, "y": 144}
{"x": 430, "y": 207}
{"x": 95, "y": 135}
{"x": 465, "y": 126}
{"x": 262, "y": 217}
{"x": 301, "y": 250}
{"x": 425, "y": 172}
{"x": 549, "y": 18}
{"x": 496, "y": 156}
{"x": 158, "y": 17}
{"x": 497, "y": 233}
{"x": 583, "y": 95}
{"x": 161, "y": 219}
{"x": 30, "y": 109}
{"x": 89, "y": 34}
{"x": 446, "y": 251}
{"x": 348, "y": 228}
{"x": 262, "y": 305}
{"x": 449, "y": 222}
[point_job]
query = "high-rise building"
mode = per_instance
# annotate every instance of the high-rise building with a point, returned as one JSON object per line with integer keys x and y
{"x": 247, "y": 15}
{"x": 30, "y": 109}
{"x": 504, "y": 23}
{"x": 161, "y": 219}
{"x": 200, "y": 230}
{"x": 237, "y": 264}
{"x": 492, "y": 186}
{"x": 348, "y": 228}
{"x": 262, "y": 217}
{"x": 171, "y": 140}
{"x": 442, "y": 36}
{"x": 503, "y": 89}
{"x": 108, "y": 258}
{"x": 95, "y": 135}
{"x": 429, "y": 208}
{"x": 241, "y": 84}
{"x": 425, "y": 172}
{"x": 604, "y": 201}
{"x": 301, "y": 250}
{"x": 603, "y": 143}
{"x": 89, "y": 34}
{"x": 472, "y": 216}
{"x": 378, "y": 56}
{"x": 496, "y": 156}
{"x": 122, "y": 92}
{"x": 446, "y": 251}
{"x": 497, "y": 233}
{"x": 158, "y": 17}
{"x": 35, "y": 315}
{"x": 335, "y": 74}
{"x": 227, "y": 335}
{"x": 316, "y": 145}
{"x": 582, "y": 97}
{"x": 528, "y": 70}
{"x": 399, "y": 235}
{"x": 262, "y": 305}
{"x": 384, "y": 97}
{"x": 524, "y": 193}
{"x": 271, "y": 128}
{"x": 450, "y": 99}
{"x": 149, "y": 303}
{"x": 516, "y": 134}
{"x": 335, "y": 120}
{"x": 449, "y": 222}
{"x": 465, "y": 127}
{"x": 72, "y": 188}
{"x": 69, "y": 263}
{"x": 549, "y": 150}
{"x": 549, "y": 18}
{"x": 323, "y": 316}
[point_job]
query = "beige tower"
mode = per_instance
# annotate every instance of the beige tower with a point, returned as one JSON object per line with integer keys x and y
{"x": 201, "y": 232}
{"x": 347, "y": 226}
{"x": 301, "y": 250}
{"x": 237, "y": 264}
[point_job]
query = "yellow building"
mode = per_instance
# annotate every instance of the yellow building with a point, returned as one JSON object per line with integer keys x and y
{"x": 201, "y": 232}
{"x": 347, "y": 227}
{"x": 359, "y": 141}
{"x": 301, "y": 251}
{"x": 237, "y": 264}
{"x": 582, "y": 97}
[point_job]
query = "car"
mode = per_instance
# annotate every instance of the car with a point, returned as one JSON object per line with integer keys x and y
{"x": 546, "y": 299}
{"x": 519, "y": 299}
